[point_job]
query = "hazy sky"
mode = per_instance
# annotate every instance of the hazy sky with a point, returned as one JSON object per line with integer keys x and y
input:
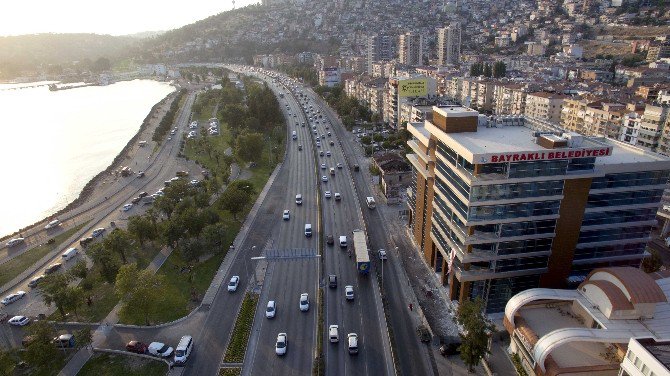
{"x": 116, "y": 17}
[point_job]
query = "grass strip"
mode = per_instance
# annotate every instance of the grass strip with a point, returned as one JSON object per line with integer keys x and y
{"x": 19, "y": 264}
{"x": 240, "y": 336}
{"x": 319, "y": 367}
{"x": 230, "y": 371}
{"x": 103, "y": 364}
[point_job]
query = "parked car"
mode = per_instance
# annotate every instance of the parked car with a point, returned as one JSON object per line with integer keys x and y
{"x": 64, "y": 341}
{"x": 137, "y": 347}
{"x": 127, "y": 207}
{"x": 160, "y": 350}
{"x": 98, "y": 231}
{"x": 15, "y": 242}
{"x": 281, "y": 345}
{"x": 232, "y": 285}
{"x": 86, "y": 241}
{"x": 19, "y": 321}
{"x": 53, "y": 268}
{"x": 11, "y": 298}
{"x": 36, "y": 281}
{"x": 304, "y": 302}
{"x": 52, "y": 224}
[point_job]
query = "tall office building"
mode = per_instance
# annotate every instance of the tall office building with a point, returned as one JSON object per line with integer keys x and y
{"x": 449, "y": 44}
{"x": 411, "y": 49}
{"x": 379, "y": 47}
{"x": 519, "y": 204}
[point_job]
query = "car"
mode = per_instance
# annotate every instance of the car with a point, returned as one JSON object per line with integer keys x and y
{"x": 11, "y": 298}
{"x": 140, "y": 174}
{"x": 304, "y": 302}
{"x": 382, "y": 254}
{"x": 52, "y": 268}
{"x": 137, "y": 347}
{"x": 352, "y": 342}
{"x": 330, "y": 240}
{"x": 281, "y": 345}
{"x": 323, "y": 166}
{"x": 318, "y": 144}
{"x": 160, "y": 350}
{"x": 98, "y": 231}
{"x": 85, "y": 241}
{"x": 64, "y": 341}
{"x": 136, "y": 200}
{"x": 332, "y": 281}
{"x": 287, "y": 215}
{"x": 333, "y": 333}
{"x": 339, "y": 165}
{"x": 232, "y": 285}
{"x": 327, "y": 194}
{"x": 271, "y": 309}
{"x": 36, "y": 281}
{"x": 127, "y": 207}
{"x": 299, "y": 147}
{"x": 174, "y": 179}
{"x": 349, "y": 292}
{"x": 332, "y": 143}
{"x": 328, "y": 153}
{"x": 52, "y": 224}
{"x": 324, "y": 178}
{"x": 15, "y": 242}
{"x": 19, "y": 321}
{"x": 328, "y": 132}
{"x": 338, "y": 197}
{"x": 321, "y": 153}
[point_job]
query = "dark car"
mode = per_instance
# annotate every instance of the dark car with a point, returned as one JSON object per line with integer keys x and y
{"x": 330, "y": 240}
{"x": 136, "y": 200}
{"x": 143, "y": 194}
{"x": 53, "y": 268}
{"x": 332, "y": 281}
{"x": 137, "y": 347}
{"x": 356, "y": 167}
{"x": 85, "y": 241}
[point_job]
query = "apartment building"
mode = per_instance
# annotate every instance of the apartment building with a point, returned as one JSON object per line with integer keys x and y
{"x": 651, "y": 126}
{"x": 614, "y": 323}
{"x": 509, "y": 99}
{"x": 518, "y": 203}
{"x": 379, "y": 47}
{"x": 544, "y": 106}
{"x": 630, "y": 127}
{"x": 604, "y": 119}
{"x": 396, "y": 97}
{"x": 449, "y": 44}
{"x": 410, "y": 48}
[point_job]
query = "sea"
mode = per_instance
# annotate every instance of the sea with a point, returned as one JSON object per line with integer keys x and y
{"x": 54, "y": 142}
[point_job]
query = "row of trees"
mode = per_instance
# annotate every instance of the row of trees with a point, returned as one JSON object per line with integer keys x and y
{"x": 349, "y": 108}
{"x": 166, "y": 123}
{"x": 306, "y": 72}
{"x": 497, "y": 70}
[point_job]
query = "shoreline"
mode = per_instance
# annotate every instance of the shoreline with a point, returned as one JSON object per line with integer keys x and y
{"x": 89, "y": 188}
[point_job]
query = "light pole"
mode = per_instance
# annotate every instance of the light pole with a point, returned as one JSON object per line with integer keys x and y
{"x": 382, "y": 289}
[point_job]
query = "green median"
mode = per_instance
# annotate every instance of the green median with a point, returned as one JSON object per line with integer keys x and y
{"x": 240, "y": 336}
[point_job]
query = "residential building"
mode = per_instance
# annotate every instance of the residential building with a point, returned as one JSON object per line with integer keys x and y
{"x": 535, "y": 49}
{"x": 509, "y": 99}
{"x": 379, "y": 47}
{"x": 449, "y": 44}
{"x": 573, "y": 111}
{"x": 603, "y": 119}
{"x": 630, "y": 126}
{"x": 517, "y": 203}
{"x": 545, "y": 106}
{"x": 651, "y": 126}
{"x": 410, "y": 49}
{"x": 658, "y": 51}
{"x": 396, "y": 97}
{"x": 329, "y": 76}
{"x": 614, "y": 323}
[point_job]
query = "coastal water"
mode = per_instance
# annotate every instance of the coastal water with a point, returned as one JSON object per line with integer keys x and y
{"x": 53, "y": 142}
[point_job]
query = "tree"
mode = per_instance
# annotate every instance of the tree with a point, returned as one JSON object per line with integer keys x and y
{"x": 7, "y": 363}
{"x": 40, "y": 352}
{"x": 476, "y": 329}
{"x": 118, "y": 242}
{"x": 499, "y": 69}
{"x": 234, "y": 199}
{"x": 213, "y": 236}
{"x": 83, "y": 336}
{"x": 249, "y": 146}
{"x": 79, "y": 270}
{"x": 104, "y": 261}
{"x": 141, "y": 228}
{"x": 488, "y": 72}
{"x": 652, "y": 263}
{"x": 191, "y": 249}
{"x": 101, "y": 65}
{"x": 56, "y": 290}
{"x": 139, "y": 290}
{"x": 173, "y": 194}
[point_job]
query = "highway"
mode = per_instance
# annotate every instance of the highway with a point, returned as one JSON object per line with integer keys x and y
{"x": 159, "y": 168}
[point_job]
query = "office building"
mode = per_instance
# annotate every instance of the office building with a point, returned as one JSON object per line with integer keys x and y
{"x": 449, "y": 44}
{"x": 517, "y": 203}
{"x": 617, "y": 322}
{"x": 411, "y": 49}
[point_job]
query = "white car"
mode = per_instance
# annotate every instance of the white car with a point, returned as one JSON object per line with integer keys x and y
{"x": 287, "y": 215}
{"x": 349, "y": 292}
{"x": 324, "y": 178}
{"x": 15, "y": 241}
{"x": 19, "y": 321}
{"x": 195, "y": 182}
{"x": 382, "y": 254}
{"x": 323, "y": 166}
{"x": 160, "y": 350}
{"x": 282, "y": 344}
{"x": 338, "y": 197}
{"x": 328, "y": 194}
{"x": 339, "y": 165}
{"x": 232, "y": 285}
{"x": 127, "y": 207}
{"x": 98, "y": 231}
{"x": 333, "y": 334}
{"x": 52, "y": 224}
{"x": 328, "y": 153}
{"x": 271, "y": 309}
{"x": 11, "y": 298}
{"x": 304, "y": 302}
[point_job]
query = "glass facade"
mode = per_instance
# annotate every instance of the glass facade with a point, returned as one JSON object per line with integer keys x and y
{"x": 516, "y": 190}
{"x": 610, "y": 251}
{"x": 600, "y": 200}
{"x": 619, "y": 216}
{"x": 538, "y": 168}
{"x": 610, "y": 234}
{"x": 501, "y": 290}
{"x": 517, "y": 210}
{"x": 631, "y": 179}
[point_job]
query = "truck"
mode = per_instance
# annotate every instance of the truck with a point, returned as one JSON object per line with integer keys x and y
{"x": 361, "y": 249}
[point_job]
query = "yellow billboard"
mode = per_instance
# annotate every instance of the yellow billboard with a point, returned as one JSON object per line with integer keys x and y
{"x": 413, "y": 88}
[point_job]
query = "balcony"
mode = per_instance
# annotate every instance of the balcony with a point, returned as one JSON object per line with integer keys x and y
{"x": 420, "y": 166}
{"x": 414, "y": 145}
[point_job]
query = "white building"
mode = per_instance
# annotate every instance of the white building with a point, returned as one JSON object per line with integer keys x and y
{"x": 449, "y": 44}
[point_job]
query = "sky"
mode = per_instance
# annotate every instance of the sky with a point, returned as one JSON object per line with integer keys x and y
{"x": 119, "y": 17}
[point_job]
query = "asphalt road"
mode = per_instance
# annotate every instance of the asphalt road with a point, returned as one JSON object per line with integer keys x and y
{"x": 157, "y": 170}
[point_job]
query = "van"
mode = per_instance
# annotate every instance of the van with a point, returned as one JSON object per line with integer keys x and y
{"x": 298, "y": 199}
{"x": 352, "y": 339}
{"x": 183, "y": 350}
{"x": 333, "y": 334}
{"x": 371, "y": 202}
{"x": 343, "y": 241}
{"x": 69, "y": 254}
{"x": 308, "y": 230}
